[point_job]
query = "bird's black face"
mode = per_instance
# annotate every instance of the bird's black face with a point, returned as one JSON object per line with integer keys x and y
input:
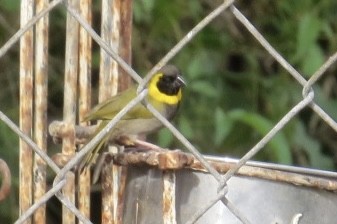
{"x": 171, "y": 81}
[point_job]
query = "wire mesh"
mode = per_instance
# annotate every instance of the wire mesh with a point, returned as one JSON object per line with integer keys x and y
{"x": 79, "y": 21}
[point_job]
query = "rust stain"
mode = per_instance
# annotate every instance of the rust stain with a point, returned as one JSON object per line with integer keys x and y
{"x": 169, "y": 211}
{"x": 173, "y": 160}
{"x": 151, "y": 158}
{"x": 125, "y": 52}
{"x": 110, "y": 33}
{"x": 69, "y": 104}
{"x": 68, "y": 191}
{"x": 40, "y": 109}
{"x": 163, "y": 159}
{"x": 59, "y": 130}
{"x": 121, "y": 195}
{"x": 109, "y": 76}
{"x": 84, "y": 187}
{"x": 85, "y": 61}
{"x": 61, "y": 159}
{"x": 107, "y": 189}
{"x": 26, "y": 105}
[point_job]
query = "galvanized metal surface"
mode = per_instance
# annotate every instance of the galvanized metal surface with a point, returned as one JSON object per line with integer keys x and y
{"x": 260, "y": 201}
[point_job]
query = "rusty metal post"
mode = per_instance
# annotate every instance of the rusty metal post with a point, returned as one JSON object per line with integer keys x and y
{"x": 169, "y": 194}
{"x": 40, "y": 110}
{"x": 84, "y": 181}
{"x": 107, "y": 195}
{"x": 121, "y": 195}
{"x": 124, "y": 79}
{"x": 69, "y": 107}
{"x": 26, "y": 104}
{"x": 108, "y": 79}
{"x": 108, "y": 87}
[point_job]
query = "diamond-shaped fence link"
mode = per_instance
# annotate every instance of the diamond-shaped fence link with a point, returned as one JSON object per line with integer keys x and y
{"x": 64, "y": 183}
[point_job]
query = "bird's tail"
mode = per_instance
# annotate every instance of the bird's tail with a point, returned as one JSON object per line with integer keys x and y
{"x": 90, "y": 157}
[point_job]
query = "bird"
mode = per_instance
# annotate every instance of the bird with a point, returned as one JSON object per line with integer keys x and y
{"x": 164, "y": 94}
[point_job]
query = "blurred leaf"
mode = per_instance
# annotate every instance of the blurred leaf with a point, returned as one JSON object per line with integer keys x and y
{"x": 194, "y": 68}
{"x": 222, "y": 125}
{"x": 308, "y": 31}
{"x": 185, "y": 127}
{"x": 311, "y": 146}
{"x": 165, "y": 137}
{"x": 142, "y": 10}
{"x": 148, "y": 5}
{"x": 278, "y": 144}
{"x": 10, "y": 5}
{"x": 203, "y": 87}
{"x": 328, "y": 105}
{"x": 200, "y": 64}
{"x": 312, "y": 61}
{"x": 308, "y": 53}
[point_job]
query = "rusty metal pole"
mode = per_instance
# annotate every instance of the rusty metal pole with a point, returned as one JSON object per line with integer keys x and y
{"x": 169, "y": 194}
{"x": 108, "y": 205}
{"x": 108, "y": 79}
{"x": 107, "y": 88}
{"x": 40, "y": 110}
{"x": 119, "y": 19}
{"x": 69, "y": 107}
{"x": 26, "y": 104}
{"x": 124, "y": 82}
{"x": 85, "y": 57}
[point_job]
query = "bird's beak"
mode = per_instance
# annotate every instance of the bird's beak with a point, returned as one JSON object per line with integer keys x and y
{"x": 181, "y": 80}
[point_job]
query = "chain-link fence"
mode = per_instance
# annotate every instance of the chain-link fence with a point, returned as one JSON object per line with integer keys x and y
{"x": 74, "y": 194}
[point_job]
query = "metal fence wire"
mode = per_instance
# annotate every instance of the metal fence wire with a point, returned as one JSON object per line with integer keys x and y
{"x": 114, "y": 60}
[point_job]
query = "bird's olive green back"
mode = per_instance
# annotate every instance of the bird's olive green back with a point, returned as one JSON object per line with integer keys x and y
{"x": 109, "y": 109}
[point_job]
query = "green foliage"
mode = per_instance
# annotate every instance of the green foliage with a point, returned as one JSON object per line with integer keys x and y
{"x": 309, "y": 52}
{"x": 301, "y": 141}
{"x": 279, "y": 145}
{"x": 223, "y": 125}
{"x": 10, "y": 5}
{"x": 236, "y": 92}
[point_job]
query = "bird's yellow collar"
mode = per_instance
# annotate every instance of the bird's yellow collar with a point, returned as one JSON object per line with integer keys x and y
{"x": 155, "y": 93}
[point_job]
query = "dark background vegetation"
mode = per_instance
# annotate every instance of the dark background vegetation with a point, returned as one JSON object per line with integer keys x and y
{"x": 236, "y": 91}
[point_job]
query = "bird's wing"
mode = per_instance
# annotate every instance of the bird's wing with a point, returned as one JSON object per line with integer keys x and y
{"x": 108, "y": 109}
